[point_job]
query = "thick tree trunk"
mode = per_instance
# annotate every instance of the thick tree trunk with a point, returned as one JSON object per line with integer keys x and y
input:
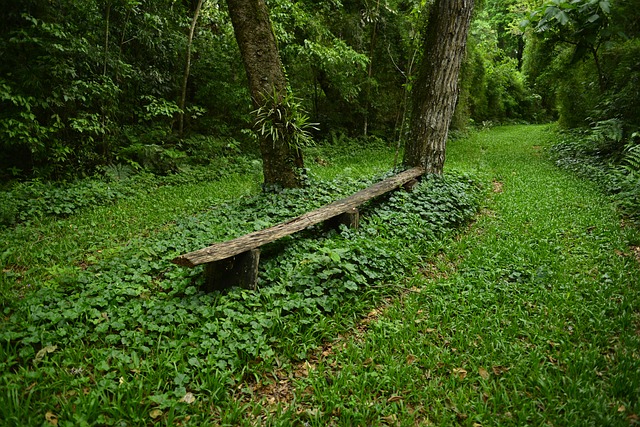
{"x": 435, "y": 91}
{"x": 267, "y": 83}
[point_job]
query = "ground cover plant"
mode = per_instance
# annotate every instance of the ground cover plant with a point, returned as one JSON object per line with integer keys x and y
{"x": 124, "y": 336}
{"x": 605, "y": 157}
{"x": 529, "y": 318}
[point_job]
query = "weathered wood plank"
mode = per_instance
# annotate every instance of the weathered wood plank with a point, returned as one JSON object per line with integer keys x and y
{"x": 256, "y": 239}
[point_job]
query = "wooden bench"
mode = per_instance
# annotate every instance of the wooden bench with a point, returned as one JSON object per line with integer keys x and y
{"x": 235, "y": 262}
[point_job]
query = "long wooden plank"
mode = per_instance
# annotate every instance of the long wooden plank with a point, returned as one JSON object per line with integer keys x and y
{"x": 256, "y": 239}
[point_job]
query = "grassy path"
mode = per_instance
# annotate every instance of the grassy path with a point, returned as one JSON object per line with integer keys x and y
{"x": 530, "y": 318}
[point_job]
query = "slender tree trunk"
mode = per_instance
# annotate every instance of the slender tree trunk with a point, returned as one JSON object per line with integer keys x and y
{"x": 106, "y": 39}
{"x": 103, "y": 112}
{"x": 187, "y": 67}
{"x": 405, "y": 96}
{"x": 267, "y": 84}
{"x": 374, "y": 33}
{"x": 602, "y": 83}
{"x": 435, "y": 91}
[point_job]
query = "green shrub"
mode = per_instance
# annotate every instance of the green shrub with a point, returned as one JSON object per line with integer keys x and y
{"x": 590, "y": 154}
{"x": 8, "y": 209}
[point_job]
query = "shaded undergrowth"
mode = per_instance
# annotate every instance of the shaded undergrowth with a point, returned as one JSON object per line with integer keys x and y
{"x": 127, "y": 337}
{"x": 530, "y": 318}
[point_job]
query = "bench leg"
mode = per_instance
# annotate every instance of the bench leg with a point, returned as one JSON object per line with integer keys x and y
{"x": 240, "y": 270}
{"x": 351, "y": 219}
{"x": 408, "y": 186}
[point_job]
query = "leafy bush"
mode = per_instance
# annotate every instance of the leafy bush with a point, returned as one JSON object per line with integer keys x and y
{"x": 204, "y": 149}
{"x": 592, "y": 155}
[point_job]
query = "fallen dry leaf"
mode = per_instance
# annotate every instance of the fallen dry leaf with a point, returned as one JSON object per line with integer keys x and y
{"x": 499, "y": 370}
{"x": 155, "y": 413}
{"x": 483, "y": 373}
{"x": 390, "y": 419}
{"x": 411, "y": 359}
{"x": 188, "y": 398}
{"x": 394, "y": 399}
{"x": 461, "y": 373}
{"x": 621, "y": 408}
{"x": 51, "y": 418}
{"x": 43, "y": 352}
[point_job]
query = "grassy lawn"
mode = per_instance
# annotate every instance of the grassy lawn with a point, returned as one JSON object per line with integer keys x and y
{"x": 528, "y": 317}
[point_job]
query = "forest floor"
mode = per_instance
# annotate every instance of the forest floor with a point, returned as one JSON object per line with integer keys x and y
{"x": 531, "y": 317}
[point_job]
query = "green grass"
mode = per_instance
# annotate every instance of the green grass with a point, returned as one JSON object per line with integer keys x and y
{"x": 528, "y": 318}
{"x": 38, "y": 251}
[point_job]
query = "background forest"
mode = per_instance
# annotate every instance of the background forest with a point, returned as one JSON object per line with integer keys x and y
{"x": 504, "y": 291}
{"x": 122, "y": 86}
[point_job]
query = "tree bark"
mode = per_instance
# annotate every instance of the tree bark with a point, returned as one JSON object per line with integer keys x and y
{"x": 435, "y": 91}
{"x": 267, "y": 84}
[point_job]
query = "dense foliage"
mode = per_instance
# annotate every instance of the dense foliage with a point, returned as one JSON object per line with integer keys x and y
{"x": 90, "y": 84}
{"x": 115, "y": 324}
{"x": 583, "y": 56}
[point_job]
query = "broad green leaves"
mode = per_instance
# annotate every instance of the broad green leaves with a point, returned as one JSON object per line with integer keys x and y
{"x": 582, "y": 17}
{"x": 131, "y": 303}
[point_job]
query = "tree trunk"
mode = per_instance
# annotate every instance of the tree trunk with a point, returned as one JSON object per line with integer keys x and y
{"x": 435, "y": 91}
{"x": 267, "y": 84}
{"x": 372, "y": 47}
{"x": 187, "y": 67}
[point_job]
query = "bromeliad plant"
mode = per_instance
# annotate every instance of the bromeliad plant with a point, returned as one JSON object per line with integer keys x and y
{"x": 281, "y": 118}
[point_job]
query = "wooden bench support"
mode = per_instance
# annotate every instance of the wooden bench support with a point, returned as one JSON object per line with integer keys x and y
{"x": 351, "y": 219}
{"x": 409, "y": 185}
{"x": 239, "y": 270}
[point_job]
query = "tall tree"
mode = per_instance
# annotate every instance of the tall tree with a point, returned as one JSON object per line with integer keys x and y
{"x": 282, "y": 158}
{"x": 435, "y": 91}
